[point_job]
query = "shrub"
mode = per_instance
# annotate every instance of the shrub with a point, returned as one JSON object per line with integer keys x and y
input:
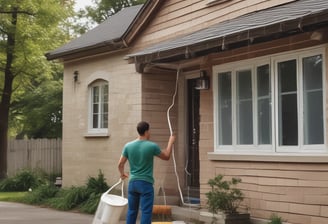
{"x": 85, "y": 198}
{"x": 97, "y": 185}
{"x": 224, "y": 195}
{"x": 41, "y": 194}
{"x": 275, "y": 219}
{"x": 69, "y": 198}
{"x": 23, "y": 181}
{"x": 91, "y": 204}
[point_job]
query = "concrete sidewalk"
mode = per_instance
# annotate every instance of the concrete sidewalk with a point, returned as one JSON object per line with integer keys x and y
{"x": 16, "y": 213}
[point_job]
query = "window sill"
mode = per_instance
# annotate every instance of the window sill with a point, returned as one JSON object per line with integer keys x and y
{"x": 276, "y": 157}
{"x": 96, "y": 135}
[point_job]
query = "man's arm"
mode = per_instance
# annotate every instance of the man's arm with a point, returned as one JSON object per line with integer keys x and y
{"x": 121, "y": 164}
{"x": 166, "y": 153}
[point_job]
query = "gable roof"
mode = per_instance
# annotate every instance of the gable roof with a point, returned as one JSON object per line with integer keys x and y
{"x": 283, "y": 18}
{"x": 107, "y": 35}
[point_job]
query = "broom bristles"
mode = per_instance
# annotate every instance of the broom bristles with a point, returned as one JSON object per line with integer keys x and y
{"x": 162, "y": 210}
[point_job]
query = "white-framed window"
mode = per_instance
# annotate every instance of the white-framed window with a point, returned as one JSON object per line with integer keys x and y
{"x": 98, "y": 107}
{"x": 271, "y": 104}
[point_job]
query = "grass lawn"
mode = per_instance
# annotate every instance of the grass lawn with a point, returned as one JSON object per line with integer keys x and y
{"x": 11, "y": 196}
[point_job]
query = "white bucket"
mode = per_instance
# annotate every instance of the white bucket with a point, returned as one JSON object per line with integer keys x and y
{"x": 113, "y": 208}
{"x": 110, "y": 207}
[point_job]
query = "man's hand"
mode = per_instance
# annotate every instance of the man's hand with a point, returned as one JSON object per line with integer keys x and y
{"x": 171, "y": 140}
{"x": 124, "y": 176}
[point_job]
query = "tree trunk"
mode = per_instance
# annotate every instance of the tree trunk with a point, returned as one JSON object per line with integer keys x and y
{"x": 6, "y": 94}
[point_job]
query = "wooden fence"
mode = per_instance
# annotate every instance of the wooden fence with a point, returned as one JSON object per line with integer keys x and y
{"x": 45, "y": 154}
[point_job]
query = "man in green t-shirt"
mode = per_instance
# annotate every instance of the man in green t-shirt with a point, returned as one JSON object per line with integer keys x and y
{"x": 140, "y": 153}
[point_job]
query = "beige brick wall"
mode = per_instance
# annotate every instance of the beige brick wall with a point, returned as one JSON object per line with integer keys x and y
{"x": 84, "y": 156}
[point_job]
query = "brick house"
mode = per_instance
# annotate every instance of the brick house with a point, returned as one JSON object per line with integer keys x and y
{"x": 251, "y": 99}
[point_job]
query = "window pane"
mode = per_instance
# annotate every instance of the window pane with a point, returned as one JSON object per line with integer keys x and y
{"x": 312, "y": 100}
{"x": 287, "y": 103}
{"x": 95, "y": 108}
{"x": 105, "y": 121}
{"x": 95, "y": 94}
{"x": 244, "y": 107}
{"x": 100, "y": 106}
{"x": 104, "y": 107}
{"x": 264, "y": 104}
{"x": 95, "y": 121}
{"x": 105, "y": 93}
{"x": 225, "y": 109}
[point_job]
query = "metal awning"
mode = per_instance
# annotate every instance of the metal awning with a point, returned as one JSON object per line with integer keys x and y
{"x": 283, "y": 18}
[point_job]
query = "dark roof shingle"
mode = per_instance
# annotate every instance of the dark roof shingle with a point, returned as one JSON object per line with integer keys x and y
{"x": 109, "y": 31}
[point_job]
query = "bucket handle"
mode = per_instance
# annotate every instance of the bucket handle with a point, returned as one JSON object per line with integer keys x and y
{"x": 119, "y": 182}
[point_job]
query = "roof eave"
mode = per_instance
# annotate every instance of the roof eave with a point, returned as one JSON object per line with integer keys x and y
{"x": 289, "y": 27}
{"x": 141, "y": 20}
{"x": 102, "y": 47}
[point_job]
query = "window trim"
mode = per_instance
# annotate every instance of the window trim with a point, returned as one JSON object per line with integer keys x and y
{"x": 301, "y": 147}
{"x": 273, "y": 148}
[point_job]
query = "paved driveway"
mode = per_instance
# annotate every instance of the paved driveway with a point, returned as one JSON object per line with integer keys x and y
{"x": 16, "y": 213}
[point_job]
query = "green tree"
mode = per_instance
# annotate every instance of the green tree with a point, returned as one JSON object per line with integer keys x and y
{"x": 38, "y": 113}
{"x": 102, "y": 10}
{"x": 28, "y": 29}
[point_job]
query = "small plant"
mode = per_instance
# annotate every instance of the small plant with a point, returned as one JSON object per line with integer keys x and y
{"x": 275, "y": 219}
{"x": 224, "y": 195}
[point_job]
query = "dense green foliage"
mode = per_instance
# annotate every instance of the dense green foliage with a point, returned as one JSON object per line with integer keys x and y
{"x": 41, "y": 194}
{"x": 42, "y": 191}
{"x": 69, "y": 198}
{"x": 36, "y": 84}
{"x": 224, "y": 195}
{"x": 28, "y": 29}
{"x": 23, "y": 181}
{"x": 38, "y": 113}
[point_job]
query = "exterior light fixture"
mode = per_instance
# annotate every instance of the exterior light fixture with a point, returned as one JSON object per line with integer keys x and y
{"x": 203, "y": 82}
{"x": 76, "y": 76}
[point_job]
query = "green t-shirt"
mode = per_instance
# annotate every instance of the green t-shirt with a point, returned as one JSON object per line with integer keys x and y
{"x": 140, "y": 154}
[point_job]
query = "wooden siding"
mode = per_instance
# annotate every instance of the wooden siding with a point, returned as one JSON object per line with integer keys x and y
{"x": 295, "y": 191}
{"x": 157, "y": 96}
{"x": 181, "y": 17}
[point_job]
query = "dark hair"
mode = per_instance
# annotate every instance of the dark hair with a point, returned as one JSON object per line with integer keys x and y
{"x": 142, "y": 127}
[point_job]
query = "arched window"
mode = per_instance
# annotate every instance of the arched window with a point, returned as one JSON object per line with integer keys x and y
{"x": 98, "y": 107}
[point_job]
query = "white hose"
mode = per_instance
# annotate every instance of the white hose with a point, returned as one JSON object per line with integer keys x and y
{"x": 171, "y": 133}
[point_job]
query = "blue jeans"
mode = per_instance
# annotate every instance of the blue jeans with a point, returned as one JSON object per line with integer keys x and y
{"x": 140, "y": 192}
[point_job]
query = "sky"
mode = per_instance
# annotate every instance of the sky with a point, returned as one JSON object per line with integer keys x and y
{"x": 82, "y": 3}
